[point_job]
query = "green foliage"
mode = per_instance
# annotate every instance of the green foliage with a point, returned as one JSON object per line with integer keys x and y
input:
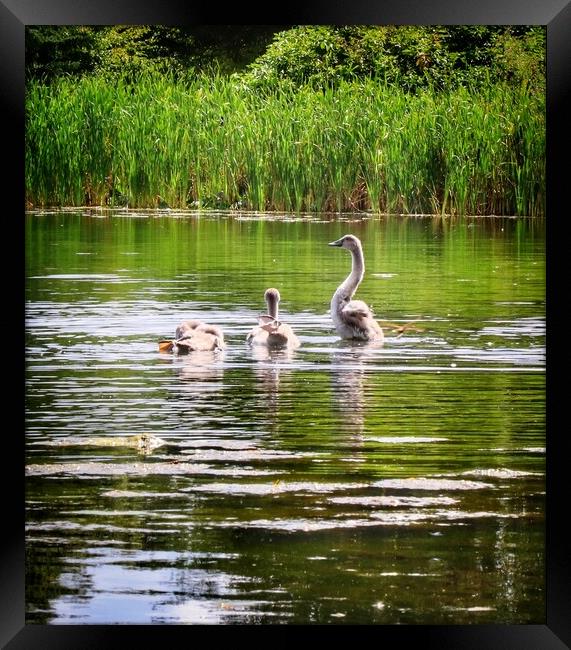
{"x": 521, "y": 59}
{"x": 52, "y": 51}
{"x": 409, "y": 56}
{"x": 129, "y": 51}
{"x": 301, "y": 55}
{"x": 120, "y": 50}
{"x": 224, "y": 49}
{"x": 360, "y": 145}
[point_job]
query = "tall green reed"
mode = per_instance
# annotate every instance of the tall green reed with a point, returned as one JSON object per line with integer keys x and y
{"x": 212, "y": 143}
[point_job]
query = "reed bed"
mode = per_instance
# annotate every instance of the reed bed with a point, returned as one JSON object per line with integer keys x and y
{"x": 213, "y": 143}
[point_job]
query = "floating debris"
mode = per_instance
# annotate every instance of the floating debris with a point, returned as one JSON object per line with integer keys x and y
{"x": 432, "y": 484}
{"x": 144, "y": 442}
{"x": 88, "y": 469}
{"x": 499, "y": 473}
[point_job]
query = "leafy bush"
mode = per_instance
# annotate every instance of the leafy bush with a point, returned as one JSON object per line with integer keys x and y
{"x": 411, "y": 56}
{"x": 129, "y": 51}
{"x": 52, "y": 51}
{"x": 119, "y": 50}
{"x": 521, "y": 59}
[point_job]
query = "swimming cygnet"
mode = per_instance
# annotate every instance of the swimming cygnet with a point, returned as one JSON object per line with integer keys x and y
{"x": 272, "y": 333}
{"x": 194, "y": 335}
{"x": 353, "y": 319}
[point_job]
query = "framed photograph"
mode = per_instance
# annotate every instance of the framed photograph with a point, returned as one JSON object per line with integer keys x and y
{"x": 286, "y": 322}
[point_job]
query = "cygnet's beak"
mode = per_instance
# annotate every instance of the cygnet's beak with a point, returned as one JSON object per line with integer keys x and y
{"x": 338, "y": 242}
{"x": 265, "y": 319}
{"x": 268, "y": 323}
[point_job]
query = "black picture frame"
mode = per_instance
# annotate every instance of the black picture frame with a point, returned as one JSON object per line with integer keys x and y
{"x": 15, "y": 15}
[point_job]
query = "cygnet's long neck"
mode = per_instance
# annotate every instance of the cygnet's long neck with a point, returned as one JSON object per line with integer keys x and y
{"x": 272, "y": 303}
{"x": 346, "y": 289}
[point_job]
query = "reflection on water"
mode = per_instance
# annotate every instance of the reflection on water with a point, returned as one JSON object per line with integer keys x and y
{"x": 347, "y": 391}
{"x": 200, "y": 364}
{"x": 339, "y": 482}
{"x": 348, "y": 387}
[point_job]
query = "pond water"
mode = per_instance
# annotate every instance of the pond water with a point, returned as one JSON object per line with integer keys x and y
{"x": 340, "y": 483}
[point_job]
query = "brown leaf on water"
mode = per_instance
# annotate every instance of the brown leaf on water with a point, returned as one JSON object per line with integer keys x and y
{"x": 399, "y": 330}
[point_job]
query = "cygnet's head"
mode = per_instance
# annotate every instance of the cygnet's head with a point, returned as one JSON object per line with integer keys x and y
{"x": 349, "y": 242}
{"x": 272, "y": 295}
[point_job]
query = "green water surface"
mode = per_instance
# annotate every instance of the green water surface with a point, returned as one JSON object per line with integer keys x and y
{"x": 340, "y": 483}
